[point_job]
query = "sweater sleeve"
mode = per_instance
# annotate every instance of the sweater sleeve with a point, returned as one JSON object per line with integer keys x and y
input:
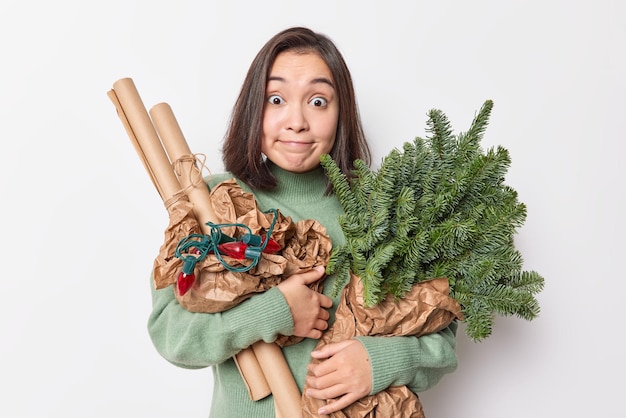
{"x": 196, "y": 340}
{"x": 417, "y": 362}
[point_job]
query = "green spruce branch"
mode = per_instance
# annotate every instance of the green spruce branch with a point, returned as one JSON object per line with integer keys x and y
{"x": 437, "y": 208}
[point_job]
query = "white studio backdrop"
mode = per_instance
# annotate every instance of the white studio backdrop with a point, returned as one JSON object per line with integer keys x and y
{"x": 81, "y": 222}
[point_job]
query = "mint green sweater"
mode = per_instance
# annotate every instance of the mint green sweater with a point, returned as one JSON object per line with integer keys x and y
{"x": 198, "y": 340}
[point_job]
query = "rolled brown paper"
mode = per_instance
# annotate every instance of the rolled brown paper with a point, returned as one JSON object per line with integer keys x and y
{"x": 183, "y": 162}
{"x": 287, "y": 396}
{"x": 188, "y": 173}
{"x": 135, "y": 118}
{"x": 252, "y": 374}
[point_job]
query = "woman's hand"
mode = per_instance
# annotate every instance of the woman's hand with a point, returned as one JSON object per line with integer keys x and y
{"x": 308, "y": 307}
{"x": 344, "y": 375}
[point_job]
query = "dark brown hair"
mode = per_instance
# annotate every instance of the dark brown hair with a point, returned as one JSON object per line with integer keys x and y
{"x": 241, "y": 152}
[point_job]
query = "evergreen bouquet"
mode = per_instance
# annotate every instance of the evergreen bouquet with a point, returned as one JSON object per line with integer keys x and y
{"x": 429, "y": 236}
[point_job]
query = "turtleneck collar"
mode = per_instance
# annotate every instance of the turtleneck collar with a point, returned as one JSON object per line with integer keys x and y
{"x": 309, "y": 186}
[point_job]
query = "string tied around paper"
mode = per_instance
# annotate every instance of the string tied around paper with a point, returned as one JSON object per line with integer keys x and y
{"x": 197, "y": 160}
{"x": 178, "y": 196}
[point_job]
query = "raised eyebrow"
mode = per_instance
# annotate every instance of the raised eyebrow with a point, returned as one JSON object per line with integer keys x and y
{"x": 317, "y": 80}
{"x": 322, "y": 80}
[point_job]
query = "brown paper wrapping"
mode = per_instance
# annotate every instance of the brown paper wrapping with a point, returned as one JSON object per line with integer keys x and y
{"x": 427, "y": 308}
{"x": 304, "y": 244}
{"x": 147, "y": 143}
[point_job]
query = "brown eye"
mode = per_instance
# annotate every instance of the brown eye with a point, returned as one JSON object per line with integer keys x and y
{"x": 318, "y": 102}
{"x": 275, "y": 99}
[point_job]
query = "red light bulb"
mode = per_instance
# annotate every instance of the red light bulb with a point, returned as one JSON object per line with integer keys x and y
{"x": 186, "y": 277}
{"x": 239, "y": 250}
{"x": 184, "y": 282}
{"x": 234, "y": 249}
{"x": 272, "y": 246}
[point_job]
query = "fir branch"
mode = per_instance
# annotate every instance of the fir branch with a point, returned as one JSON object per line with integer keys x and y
{"x": 437, "y": 208}
{"x": 362, "y": 182}
{"x": 341, "y": 185}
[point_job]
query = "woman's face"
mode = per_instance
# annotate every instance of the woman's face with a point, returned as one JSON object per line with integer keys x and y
{"x": 301, "y": 113}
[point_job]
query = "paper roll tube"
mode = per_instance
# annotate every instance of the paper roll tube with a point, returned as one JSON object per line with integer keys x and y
{"x": 182, "y": 160}
{"x": 188, "y": 175}
{"x": 136, "y": 121}
{"x": 287, "y": 397}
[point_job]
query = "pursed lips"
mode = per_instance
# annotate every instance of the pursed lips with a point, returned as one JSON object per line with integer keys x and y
{"x": 296, "y": 144}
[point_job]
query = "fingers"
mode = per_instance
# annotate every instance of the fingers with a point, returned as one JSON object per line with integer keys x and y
{"x": 338, "y": 404}
{"x": 314, "y": 334}
{"x": 328, "y": 393}
{"x": 338, "y": 395}
{"x": 312, "y": 276}
{"x": 318, "y": 328}
{"x": 342, "y": 377}
{"x": 325, "y": 301}
{"x": 330, "y": 349}
{"x": 309, "y": 308}
{"x": 321, "y": 325}
{"x": 324, "y": 315}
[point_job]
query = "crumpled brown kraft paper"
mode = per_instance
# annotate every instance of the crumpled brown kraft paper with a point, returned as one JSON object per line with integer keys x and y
{"x": 427, "y": 308}
{"x": 304, "y": 244}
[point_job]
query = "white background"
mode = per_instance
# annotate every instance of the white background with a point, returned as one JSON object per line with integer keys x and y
{"x": 81, "y": 222}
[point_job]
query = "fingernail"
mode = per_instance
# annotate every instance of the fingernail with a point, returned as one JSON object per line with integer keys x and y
{"x": 321, "y": 411}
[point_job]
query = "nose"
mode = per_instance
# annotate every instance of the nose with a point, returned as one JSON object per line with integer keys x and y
{"x": 296, "y": 119}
